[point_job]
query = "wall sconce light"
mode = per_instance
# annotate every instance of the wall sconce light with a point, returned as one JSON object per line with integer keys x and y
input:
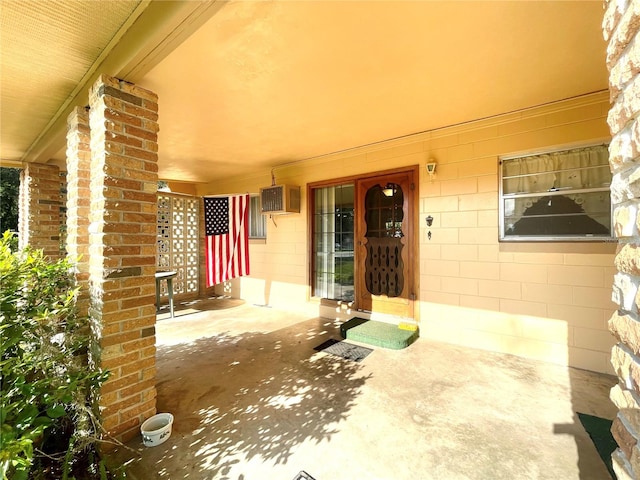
{"x": 431, "y": 169}
{"x": 429, "y": 220}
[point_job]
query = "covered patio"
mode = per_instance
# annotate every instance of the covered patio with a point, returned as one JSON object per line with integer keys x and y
{"x": 340, "y": 101}
{"x": 253, "y": 399}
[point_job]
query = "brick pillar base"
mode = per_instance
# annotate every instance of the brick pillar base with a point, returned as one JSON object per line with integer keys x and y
{"x": 620, "y": 26}
{"x": 39, "y": 209}
{"x": 123, "y": 121}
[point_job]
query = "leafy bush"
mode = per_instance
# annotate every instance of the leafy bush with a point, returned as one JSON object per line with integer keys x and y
{"x": 344, "y": 272}
{"x": 47, "y": 384}
{"x": 9, "y": 188}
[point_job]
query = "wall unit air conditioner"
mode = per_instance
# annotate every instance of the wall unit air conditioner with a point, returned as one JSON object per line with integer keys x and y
{"x": 278, "y": 199}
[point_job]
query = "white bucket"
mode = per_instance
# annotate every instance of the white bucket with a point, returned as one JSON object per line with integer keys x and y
{"x": 157, "y": 429}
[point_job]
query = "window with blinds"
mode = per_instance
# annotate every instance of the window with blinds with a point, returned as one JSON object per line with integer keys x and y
{"x": 556, "y": 196}
{"x": 332, "y": 244}
{"x": 257, "y": 221}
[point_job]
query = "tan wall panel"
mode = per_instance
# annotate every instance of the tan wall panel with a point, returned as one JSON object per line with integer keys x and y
{"x": 484, "y": 270}
{"x": 444, "y": 268}
{"x": 500, "y": 289}
{"x": 481, "y": 303}
{"x": 459, "y": 186}
{"x": 462, "y": 286}
{"x": 583, "y": 275}
{"x": 478, "y": 236}
{"x": 477, "y": 167}
{"x": 527, "y": 299}
{"x": 575, "y": 315}
{"x": 554, "y": 294}
{"x": 592, "y": 339}
{"x": 593, "y": 297}
{"x": 520, "y": 307}
{"x": 480, "y": 201}
{"x": 488, "y": 183}
{"x": 488, "y": 253}
{"x": 460, "y": 252}
{"x": 459, "y": 219}
{"x": 512, "y": 272}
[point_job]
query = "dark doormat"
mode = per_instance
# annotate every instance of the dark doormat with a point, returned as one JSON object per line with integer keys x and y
{"x": 599, "y": 429}
{"x": 344, "y": 350}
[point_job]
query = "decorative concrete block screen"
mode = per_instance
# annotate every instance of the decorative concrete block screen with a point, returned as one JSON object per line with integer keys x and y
{"x": 178, "y": 237}
{"x": 621, "y": 26}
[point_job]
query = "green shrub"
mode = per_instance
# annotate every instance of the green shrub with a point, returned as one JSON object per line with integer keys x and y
{"x": 344, "y": 272}
{"x": 47, "y": 384}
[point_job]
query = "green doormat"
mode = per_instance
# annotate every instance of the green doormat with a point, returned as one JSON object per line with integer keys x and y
{"x": 599, "y": 429}
{"x": 380, "y": 334}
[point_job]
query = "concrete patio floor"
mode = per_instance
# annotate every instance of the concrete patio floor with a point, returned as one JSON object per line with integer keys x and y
{"x": 253, "y": 400}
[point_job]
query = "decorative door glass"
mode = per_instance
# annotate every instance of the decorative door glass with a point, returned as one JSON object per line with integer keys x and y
{"x": 384, "y": 218}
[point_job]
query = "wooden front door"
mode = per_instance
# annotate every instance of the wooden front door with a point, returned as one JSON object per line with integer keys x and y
{"x": 385, "y": 243}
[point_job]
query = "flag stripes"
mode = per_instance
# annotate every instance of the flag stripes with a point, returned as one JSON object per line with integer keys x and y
{"x": 227, "y": 253}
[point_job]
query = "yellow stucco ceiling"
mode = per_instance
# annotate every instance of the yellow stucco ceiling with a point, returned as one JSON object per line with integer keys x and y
{"x": 251, "y": 84}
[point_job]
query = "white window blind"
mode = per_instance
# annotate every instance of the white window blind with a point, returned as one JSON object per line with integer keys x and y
{"x": 556, "y": 196}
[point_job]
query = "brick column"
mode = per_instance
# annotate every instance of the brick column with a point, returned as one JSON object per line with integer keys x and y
{"x": 122, "y": 238}
{"x": 78, "y": 199}
{"x": 620, "y": 26}
{"x": 39, "y": 208}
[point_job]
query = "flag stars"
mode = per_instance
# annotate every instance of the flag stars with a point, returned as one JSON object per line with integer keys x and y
{"x": 216, "y": 216}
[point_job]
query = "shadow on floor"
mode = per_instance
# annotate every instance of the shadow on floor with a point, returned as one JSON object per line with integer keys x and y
{"x": 196, "y": 305}
{"x": 250, "y": 395}
{"x": 583, "y": 403}
{"x": 253, "y": 400}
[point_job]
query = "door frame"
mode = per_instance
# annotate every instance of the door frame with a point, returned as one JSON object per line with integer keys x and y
{"x": 403, "y": 306}
{"x": 412, "y": 233}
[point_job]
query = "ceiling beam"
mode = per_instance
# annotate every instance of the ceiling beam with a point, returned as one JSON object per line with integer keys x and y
{"x": 157, "y": 29}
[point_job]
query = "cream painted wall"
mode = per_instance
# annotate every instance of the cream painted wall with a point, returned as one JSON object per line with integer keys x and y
{"x": 547, "y": 301}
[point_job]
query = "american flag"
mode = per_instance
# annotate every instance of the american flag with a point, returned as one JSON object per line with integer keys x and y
{"x": 226, "y": 223}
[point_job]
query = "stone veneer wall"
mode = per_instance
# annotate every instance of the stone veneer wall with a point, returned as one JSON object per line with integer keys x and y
{"x": 620, "y": 26}
{"x": 39, "y": 208}
{"x": 122, "y": 243}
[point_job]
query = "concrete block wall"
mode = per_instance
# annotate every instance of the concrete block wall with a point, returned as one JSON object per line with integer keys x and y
{"x": 41, "y": 199}
{"x": 547, "y": 301}
{"x": 122, "y": 245}
{"x": 279, "y": 276}
{"x": 621, "y": 25}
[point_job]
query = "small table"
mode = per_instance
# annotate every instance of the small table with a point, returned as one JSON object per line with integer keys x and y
{"x": 168, "y": 276}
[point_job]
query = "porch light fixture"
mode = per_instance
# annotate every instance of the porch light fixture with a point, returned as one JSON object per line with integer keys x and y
{"x": 431, "y": 169}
